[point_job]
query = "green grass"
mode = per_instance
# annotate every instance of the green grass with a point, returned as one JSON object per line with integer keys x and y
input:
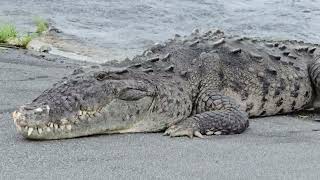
{"x": 7, "y": 32}
{"x": 41, "y": 24}
{"x": 24, "y": 41}
{"x": 10, "y": 36}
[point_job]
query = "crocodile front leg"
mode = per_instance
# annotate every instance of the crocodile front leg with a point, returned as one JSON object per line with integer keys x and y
{"x": 214, "y": 114}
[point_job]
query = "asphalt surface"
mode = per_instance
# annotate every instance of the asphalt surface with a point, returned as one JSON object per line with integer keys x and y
{"x": 280, "y": 147}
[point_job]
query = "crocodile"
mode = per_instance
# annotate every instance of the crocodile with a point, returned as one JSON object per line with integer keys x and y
{"x": 202, "y": 84}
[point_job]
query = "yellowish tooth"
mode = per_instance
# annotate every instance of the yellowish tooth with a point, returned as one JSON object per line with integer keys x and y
{"x": 51, "y": 125}
{"x": 69, "y": 127}
{"x": 26, "y": 128}
{"x": 55, "y": 126}
{"x": 64, "y": 121}
{"x": 73, "y": 119}
{"x": 62, "y": 127}
{"x": 40, "y": 130}
{"x": 48, "y": 129}
{"x": 30, "y": 130}
{"x": 16, "y": 115}
{"x": 80, "y": 113}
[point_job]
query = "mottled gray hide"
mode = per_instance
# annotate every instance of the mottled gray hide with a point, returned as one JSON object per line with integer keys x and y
{"x": 202, "y": 84}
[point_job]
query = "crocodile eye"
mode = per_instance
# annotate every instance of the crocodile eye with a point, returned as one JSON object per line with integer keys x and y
{"x": 101, "y": 76}
{"x": 132, "y": 94}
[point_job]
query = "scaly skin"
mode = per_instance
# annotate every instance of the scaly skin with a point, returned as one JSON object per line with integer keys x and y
{"x": 203, "y": 84}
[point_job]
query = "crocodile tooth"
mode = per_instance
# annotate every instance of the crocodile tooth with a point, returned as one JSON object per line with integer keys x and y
{"x": 51, "y": 125}
{"x": 30, "y": 130}
{"x": 64, "y": 121}
{"x": 40, "y": 130}
{"x": 69, "y": 127}
{"x": 48, "y": 129}
{"x": 55, "y": 126}
{"x": 220, "y": 41}
{"x": 217, "y": 133}
{"x": 198, "y": 134}
{"x": 62, "y": 127}
{"x": 15, "y": 115}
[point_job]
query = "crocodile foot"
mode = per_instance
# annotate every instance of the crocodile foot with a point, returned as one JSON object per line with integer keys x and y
{"x": 182, "y": 130}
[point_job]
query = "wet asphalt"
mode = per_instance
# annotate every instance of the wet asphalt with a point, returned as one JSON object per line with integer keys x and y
{"x": 279, "y": 147}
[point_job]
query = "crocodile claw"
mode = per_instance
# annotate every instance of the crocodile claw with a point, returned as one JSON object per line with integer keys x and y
{"x": 177, "y": 131}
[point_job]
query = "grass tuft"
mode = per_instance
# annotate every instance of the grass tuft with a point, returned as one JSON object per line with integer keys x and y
{"x": 7, "y": 32}
{"x": 42, "y": 25}
{"x": 10, "y": 36}
{"x": 24, "y": 41}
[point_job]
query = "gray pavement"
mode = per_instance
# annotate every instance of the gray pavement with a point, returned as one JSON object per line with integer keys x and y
{"x": 279, "y": 147}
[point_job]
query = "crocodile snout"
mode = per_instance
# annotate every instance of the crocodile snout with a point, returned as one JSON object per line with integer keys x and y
{"x": 31, "y": 120}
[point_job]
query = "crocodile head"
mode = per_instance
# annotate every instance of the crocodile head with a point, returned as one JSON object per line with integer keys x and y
{"x": 102, "y": 102}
